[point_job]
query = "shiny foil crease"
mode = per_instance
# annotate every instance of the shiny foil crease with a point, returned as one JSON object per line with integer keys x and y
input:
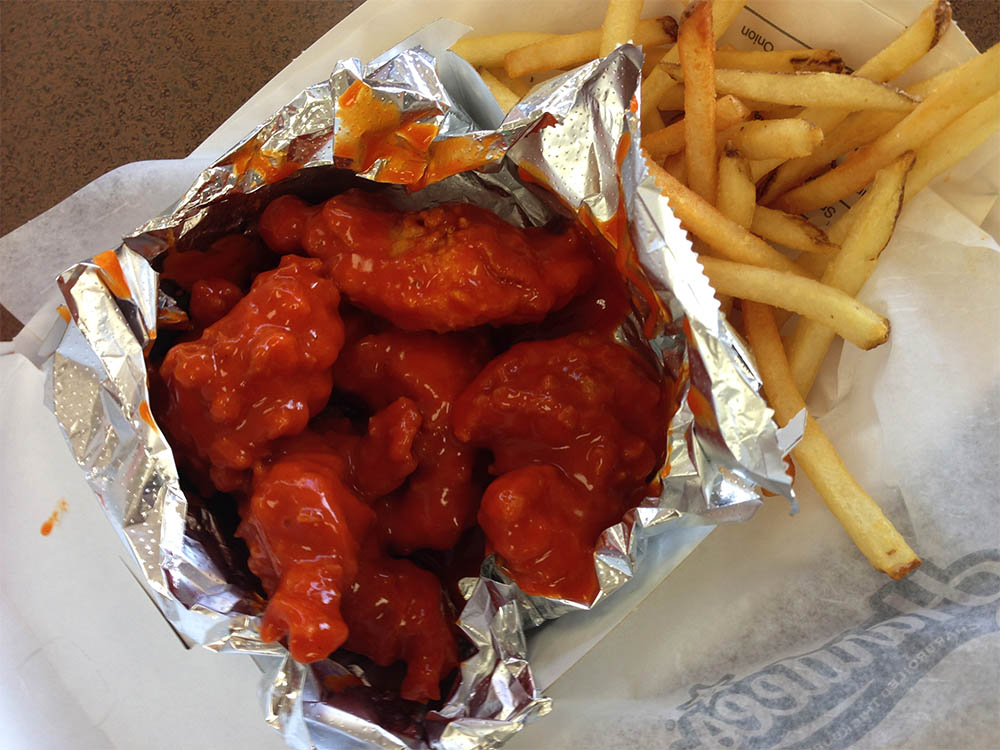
{"x": 578, "y": 135}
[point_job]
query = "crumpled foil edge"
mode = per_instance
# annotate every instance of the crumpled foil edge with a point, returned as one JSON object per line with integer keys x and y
{"x": 718, "y": 458}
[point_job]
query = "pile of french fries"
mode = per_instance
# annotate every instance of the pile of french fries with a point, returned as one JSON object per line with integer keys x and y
{"x": 756, "y": 140}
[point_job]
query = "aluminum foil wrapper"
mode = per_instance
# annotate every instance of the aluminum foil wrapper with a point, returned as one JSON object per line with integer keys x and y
{"x": 571, "y": 146}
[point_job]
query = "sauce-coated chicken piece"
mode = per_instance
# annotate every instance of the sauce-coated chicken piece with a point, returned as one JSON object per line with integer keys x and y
{"x": 328, "y": 581}
{"x": 305, "y": 528}
{"x": 257, "y": 374}
{"x": 440, "y": 498}
{"x": 445, "y": 268}
{"x": 576, "y": 425}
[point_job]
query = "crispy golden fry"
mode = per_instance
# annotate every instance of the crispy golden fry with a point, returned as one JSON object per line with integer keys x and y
{"x": 814, "y": 264}
{"x": 569, "y": 50}
{"x": 781, "y": 61}
{"x": 774, "y": 139}
{"x": 654, "y": 120}
{"x": 760, "y": 167}
{"x": 652, "y": 59}
{"x": 658, "y": 82}
{"x": 696, "y": 46}
{"x": 807, "y": 89}
{"x": 975, "y": 81}
{"x": 673, "y": 98}
{"x": 859, "y": 129}
{"x": 793, "y": 232}
{"x": 953, "y": 144}
{"x": 737, "y": 195}
{"x": 729, "y": 109}
{"x": 726, "y": 238}
{"x": 519, "y": 86}
{"x": 874, "y": 219}
{"x": 857, "y": 512}
{"x": 670, "y": 140}
{"x": 506, "y": 98}
{"x": 620, "y": 22}
{"x": 676, "y": 166}
{"x": 489, "y": 51}
{"x": 855, "y": 322}
{"x": 771, "y": 111}
{"x": 909, "y": 47}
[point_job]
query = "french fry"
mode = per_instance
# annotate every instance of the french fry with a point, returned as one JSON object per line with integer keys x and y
{"x": 489, "y": 51}
{"x": 852, "y": 320}
{"x": 670, "y": 140}
{"x": 676, "y": 166}
{"x": 570, "y": 50}
{"x": 652, "y": 59}
{"x": 737, "y": 195}
{"x": 912, "y": 44}
{"x": 729, "y": 109}
{"x": 655, "y": 121}
{"x": 857, "y": 512}
{"x": 774, "y": 139}
{"x": 814, "y": 264}
{"x": 520, "y": 86}
{"x": 726, "y": 238}
{"x": 620, "y": 21}
{"x": 658, "y": 82}
{"x": 696, "y": 47}
{"x": 506, "y": 98}
{"x": 874, "y": 219}
{"x": 807, "y": 89}
{"x": 760, "y": 167}
{"x": 909, "y": 47}
{"x": 953, "y": 144}
{"x": 781, "y": 61}
{"x": 857, "y": 130}
{"x": 770, "y": 111}
{"x": 672, "y": 99}
{"x": 975, "y": 80}
{"x": 793, "y": 232}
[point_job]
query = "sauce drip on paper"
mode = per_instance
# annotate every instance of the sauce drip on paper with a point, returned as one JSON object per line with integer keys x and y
{"x": 53, "y": 520}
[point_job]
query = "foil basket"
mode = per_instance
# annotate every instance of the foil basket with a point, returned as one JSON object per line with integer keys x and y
{"x": 570, "y": 147}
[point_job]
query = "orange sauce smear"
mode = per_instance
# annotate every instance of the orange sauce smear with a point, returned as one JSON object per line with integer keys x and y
{"x": 112, "y": 274}
{"x": 53, "y": 519}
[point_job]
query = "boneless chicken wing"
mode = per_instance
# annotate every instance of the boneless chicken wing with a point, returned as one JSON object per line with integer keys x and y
{"x": 445, "y": 268}
{"x": 576, "y": 426}
{"x": 304, "y": 528}
{"x": 440, "y": 498}
{"x": 328, "y": 581}
{"x": 396, "y": 610}
{"x": 256, "y": 374}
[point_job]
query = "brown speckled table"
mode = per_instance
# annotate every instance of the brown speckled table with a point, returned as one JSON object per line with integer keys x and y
{"x": 69, "y": 70}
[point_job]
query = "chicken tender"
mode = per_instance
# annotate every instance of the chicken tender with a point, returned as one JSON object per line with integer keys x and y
{"x": 576, "y": 425}
{"x": 257, "y": 374}
{"x": 445, "y": 268}
{"x": 440, "y": 498}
